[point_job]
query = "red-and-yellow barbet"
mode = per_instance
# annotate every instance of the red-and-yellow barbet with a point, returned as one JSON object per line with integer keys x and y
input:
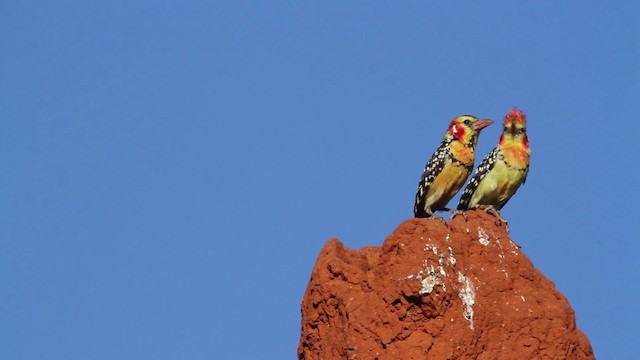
{"x": 449, "y": 166}
{"x": 502, "y": 171}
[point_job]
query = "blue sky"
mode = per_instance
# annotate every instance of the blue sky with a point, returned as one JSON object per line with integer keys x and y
{"x": 172, "y": 169}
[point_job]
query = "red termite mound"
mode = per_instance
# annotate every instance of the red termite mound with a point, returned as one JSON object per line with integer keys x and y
{"x": 461, "y": 290}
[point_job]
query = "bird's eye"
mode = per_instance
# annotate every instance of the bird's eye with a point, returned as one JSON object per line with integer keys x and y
{"x": 467, "y": 122}
{"x": 506, "y": 129}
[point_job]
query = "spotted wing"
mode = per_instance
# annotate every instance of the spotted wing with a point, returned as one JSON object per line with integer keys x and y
{"x": 432, "y": 169}
{"x": 483, "y": 169}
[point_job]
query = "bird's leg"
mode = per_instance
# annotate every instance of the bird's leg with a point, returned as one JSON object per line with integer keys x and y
{"x": 434, "y": 216}
{"x": 455, "y": 213}
{"x": 439, "y": 218}
{"x": 493, "y": 211}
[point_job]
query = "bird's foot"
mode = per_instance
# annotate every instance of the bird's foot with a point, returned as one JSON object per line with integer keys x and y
{"x": 489, "y": 209}
{"x": 437, "y": 217}
{"x": 455, "y": 213}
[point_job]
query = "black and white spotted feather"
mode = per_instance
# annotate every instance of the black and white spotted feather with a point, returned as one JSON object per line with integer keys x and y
{"x": 432, "y": 169}
{"x": 483, "y": 169}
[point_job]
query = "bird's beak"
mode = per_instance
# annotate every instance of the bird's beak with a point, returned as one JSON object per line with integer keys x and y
{"x": 481, "y": 124}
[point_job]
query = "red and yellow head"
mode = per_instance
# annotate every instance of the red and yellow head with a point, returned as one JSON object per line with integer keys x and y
{"x": 515, "y": 128}
{"x": 465, "y": 128}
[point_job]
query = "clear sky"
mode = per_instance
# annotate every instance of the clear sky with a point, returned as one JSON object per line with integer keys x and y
{"x": 171, "y": 169}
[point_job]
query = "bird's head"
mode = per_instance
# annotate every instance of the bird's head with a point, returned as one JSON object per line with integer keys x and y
{"x": 515, "y": 129}
{"x": 466, "y": 128}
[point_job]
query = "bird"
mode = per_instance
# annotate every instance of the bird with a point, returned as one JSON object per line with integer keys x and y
{"x": 502, "y": 171}
{"x": 449, "y": 166}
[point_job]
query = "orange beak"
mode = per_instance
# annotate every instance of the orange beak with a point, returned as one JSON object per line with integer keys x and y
{"x": 481, "y": 124}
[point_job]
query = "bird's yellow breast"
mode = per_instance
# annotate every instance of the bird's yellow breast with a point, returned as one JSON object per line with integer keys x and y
{"x": 447, "y": 184}
{"x": 463, "y": 153}
{"x": 498, "y": 185}
{"x": 515, "y": 154}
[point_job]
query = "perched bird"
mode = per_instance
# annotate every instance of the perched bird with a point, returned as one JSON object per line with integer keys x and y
{"x": 502, "y": 171}
{"x": 449, "y": 166}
